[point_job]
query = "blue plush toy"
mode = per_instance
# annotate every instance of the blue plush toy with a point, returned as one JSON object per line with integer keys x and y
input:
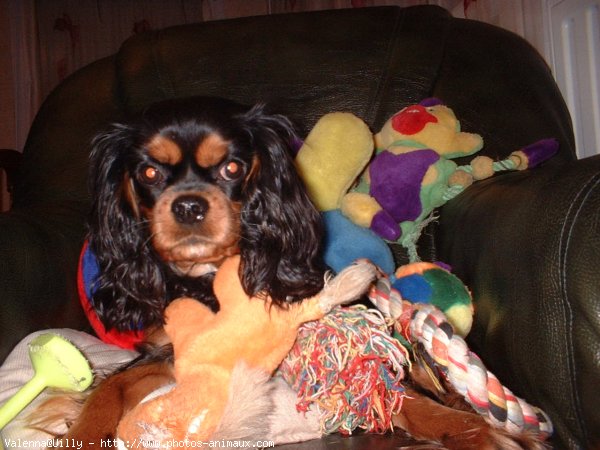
{"x": 345, "y": 242}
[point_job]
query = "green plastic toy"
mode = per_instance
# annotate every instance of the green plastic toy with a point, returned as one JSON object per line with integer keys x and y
{"x": 58, "y": 364}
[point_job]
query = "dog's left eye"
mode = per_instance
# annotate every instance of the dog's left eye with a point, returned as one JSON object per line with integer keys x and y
{"x": 231, "y": 170}
{"x": 150, "y": 175}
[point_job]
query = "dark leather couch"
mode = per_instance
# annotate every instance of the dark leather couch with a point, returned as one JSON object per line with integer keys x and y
{"x": 526, "y": 243}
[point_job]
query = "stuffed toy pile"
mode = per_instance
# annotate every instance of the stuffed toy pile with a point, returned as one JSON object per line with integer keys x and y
{"x": 375, "y": 190}
{"x": 409, "y": 174}
{"x": 339, "y": 369}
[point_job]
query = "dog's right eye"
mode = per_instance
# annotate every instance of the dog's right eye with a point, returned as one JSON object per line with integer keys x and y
{"x": 150, "y": 175}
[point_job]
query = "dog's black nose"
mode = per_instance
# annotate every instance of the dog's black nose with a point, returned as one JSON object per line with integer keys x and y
{"x": 189, "y": 209}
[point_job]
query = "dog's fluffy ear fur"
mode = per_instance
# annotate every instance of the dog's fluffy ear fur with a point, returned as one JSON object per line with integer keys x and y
{"x": 129, "y": 274}
{"x": 282, "y": 229}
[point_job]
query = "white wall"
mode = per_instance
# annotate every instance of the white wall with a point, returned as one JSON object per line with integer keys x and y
{"x": 567, "y": 34}
{"x": 574, "y": 54}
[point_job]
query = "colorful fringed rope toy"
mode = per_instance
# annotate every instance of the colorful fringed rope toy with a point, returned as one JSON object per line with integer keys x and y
{"x": 350, "y": 368}
{"x": 462, "y": 368}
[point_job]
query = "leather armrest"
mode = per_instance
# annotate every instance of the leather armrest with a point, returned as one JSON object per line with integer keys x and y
{"x": 38, "y": 267}
{"x": 528, "y": 244}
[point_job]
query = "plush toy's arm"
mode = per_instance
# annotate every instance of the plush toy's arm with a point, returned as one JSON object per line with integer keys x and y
{"x": 347, "y": 286}
{"x": 185, "y": 314}
{"x": 360, "y": 208}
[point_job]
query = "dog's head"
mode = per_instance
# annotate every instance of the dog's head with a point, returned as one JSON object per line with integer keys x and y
{"x": 186, "y": 184}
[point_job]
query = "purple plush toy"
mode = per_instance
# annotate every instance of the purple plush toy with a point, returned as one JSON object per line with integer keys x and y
{"x": 412, "y": 172}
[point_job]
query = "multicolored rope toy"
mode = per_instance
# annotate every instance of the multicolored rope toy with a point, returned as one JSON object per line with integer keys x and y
{"x": 350, "y": 368}
{"x": 482, "y": 167}
{"x": 462, "y": 368}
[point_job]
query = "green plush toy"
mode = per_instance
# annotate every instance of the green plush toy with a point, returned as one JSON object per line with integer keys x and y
{"x": 411, "y": 172}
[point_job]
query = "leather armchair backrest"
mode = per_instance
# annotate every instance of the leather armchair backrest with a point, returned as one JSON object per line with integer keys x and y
{"x": 371, "y": 61}
{"x": 307, "y": 64}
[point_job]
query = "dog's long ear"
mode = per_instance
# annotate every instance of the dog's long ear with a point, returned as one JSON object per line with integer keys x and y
{"x": 130, "y": 288}
{"x": 281, "y": 229}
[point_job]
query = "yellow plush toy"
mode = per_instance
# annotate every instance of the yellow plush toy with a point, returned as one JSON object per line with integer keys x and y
{"x": 409, "y": 176}
{"x": 428, "y": 124}
{"x": 333, "y": 155}
{"x": 209, "y": 348}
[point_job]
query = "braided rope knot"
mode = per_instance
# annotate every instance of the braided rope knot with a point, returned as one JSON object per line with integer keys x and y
{"x": 462, "y": 368}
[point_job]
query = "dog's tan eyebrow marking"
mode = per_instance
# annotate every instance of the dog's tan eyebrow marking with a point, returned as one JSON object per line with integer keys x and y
{"x": 164, "y": 150}
{"x": 211, "y": 151}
